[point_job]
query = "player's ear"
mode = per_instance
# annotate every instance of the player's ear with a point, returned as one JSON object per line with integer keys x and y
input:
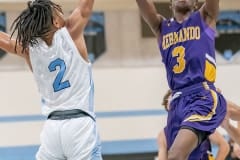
{"x": 56, "y": 20}
{"x": 56, "y": 23}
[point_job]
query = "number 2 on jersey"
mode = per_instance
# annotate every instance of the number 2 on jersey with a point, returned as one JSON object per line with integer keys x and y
{"x": 179, "y": 52}
{"x": 58, "y": 84}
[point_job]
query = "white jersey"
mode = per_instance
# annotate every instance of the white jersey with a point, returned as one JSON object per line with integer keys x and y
{"x": 63, "y": 77}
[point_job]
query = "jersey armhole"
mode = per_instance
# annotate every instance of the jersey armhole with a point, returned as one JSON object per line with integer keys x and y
{"x": 207, "y": 29}
{"x": 69, "y": 38}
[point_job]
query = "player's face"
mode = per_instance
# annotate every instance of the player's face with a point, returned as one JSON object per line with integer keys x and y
{"x": 183, "y": 6}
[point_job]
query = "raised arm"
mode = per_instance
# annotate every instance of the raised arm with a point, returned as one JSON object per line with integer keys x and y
{"x": 209, "y": 11}
{"x": 7, "y": 44}
{"x": 150, "y": 15}
{"x": 79, "y": 18}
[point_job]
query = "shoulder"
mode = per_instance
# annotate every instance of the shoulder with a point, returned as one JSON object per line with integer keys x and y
{"x": 62, "y": 33}
{"x": 196, "y": 15}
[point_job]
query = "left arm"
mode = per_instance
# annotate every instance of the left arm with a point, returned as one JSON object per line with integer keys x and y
{"x": 76, "y": 24}
{"x": 162, "y": 146}
{"x": 223, "y": 147}
{"x": 233, "y": 132}
{"x": 79, "y": 18}
{"x": 209, "y": 12}
{"x": 233, "y": 111}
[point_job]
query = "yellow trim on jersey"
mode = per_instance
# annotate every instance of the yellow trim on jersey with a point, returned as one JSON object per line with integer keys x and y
{"x": 197, "y": 117}
{"x": 210, "y": 157}
{"x": 210, "y": 71}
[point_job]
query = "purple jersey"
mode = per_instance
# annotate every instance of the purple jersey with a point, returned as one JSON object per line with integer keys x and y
{"x": 198, "y": 106}
{"x": 188, "y": 51}
{"x": 206, "y": 150}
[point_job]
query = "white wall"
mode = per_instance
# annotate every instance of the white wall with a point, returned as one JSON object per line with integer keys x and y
{"x": 123, "y": 31}
{"x": 117, "y": 89}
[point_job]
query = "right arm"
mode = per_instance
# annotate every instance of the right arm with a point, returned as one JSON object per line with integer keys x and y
{"x": 150, "y": 15}
{"x": 209, "y": 12}
{"x": 76, "y": 23}
{"x": 79, "y": 18}
{"x": 223, "y": 146}
{"x": 232, "y": 131}
{"x": 8, "y": 45}
{"x": 233, "y": 111}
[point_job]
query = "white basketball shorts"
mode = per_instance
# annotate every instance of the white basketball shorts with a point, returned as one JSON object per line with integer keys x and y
{"x": 70, "y": 139}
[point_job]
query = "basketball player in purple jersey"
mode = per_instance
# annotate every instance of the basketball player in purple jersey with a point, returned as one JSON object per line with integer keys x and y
{"x": 186, "y": 43}
{"x": 204, "y": 150}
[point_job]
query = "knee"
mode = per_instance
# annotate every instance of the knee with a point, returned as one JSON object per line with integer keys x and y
{"x": 176, "y": 155}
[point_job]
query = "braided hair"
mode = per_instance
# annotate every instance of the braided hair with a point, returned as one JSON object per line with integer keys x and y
{"x": 34, "y": 22}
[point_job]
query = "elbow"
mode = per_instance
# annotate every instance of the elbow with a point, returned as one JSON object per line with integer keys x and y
{"x": 6, "y": 45}
{"x": 86, "y": 7}
{"x": 227, "y": 149}
{"x": 86, "y": 12}
{"x": 224, "y": 148}
{"x": 211, "y": 13}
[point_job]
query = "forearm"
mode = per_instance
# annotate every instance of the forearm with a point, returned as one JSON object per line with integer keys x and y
{"x": 223, "y": 150}
{"x": 86, "y": 7}
{"x": 77, "y": 21}
{"x": 149, "y": 14}
{"x": 235, "y": 114}
{"x": 6, "y": 43}
{"x": 4, "y": 35}
{"x": 233, "y": 111}
{"x": 9, "y": 45}
{"x": 223, "y": 146}
{"x": 211, "y": 7}
{"x": 146, "y": 7}
{"x": 234, "y": 133}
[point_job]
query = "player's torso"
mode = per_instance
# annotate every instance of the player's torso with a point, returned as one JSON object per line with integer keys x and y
{"x": 63, "y": 77}
{"x": 187, "y": 51}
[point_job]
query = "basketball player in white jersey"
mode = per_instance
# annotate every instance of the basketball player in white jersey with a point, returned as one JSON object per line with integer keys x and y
{"x": 55, "y": 50}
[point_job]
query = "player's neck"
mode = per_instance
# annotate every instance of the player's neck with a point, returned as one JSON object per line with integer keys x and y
{"x": 48, "y": 38}
{"x": 180, "y": 17}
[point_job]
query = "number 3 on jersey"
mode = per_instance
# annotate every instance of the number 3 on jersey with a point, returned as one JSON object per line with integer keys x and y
{"x": 179, "y": 52}
{"x": 58, "y": 84}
